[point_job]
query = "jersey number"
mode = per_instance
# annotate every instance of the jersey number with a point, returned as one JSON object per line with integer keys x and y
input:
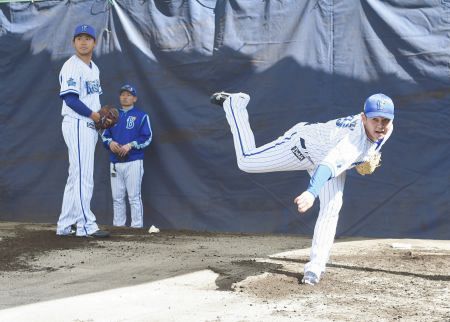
{"x": 130, "y": 122}
{"x": 348, "y": 122}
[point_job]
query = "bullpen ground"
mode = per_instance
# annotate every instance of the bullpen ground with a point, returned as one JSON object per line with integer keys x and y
{"x": 201, "y": 276}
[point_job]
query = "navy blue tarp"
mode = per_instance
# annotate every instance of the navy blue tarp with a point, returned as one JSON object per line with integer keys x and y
{"x": 299, "y": 60}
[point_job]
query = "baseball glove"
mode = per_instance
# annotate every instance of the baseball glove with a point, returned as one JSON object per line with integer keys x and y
{"x": 109, "y": 115}
{"x": 370, "y": 165}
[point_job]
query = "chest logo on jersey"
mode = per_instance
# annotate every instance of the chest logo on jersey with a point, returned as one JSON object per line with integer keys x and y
{"x": 347, "y": 122}
{"x": 130, "y": 122}
{"x": 71, "y": 82}
{"x": 92, "y": 87}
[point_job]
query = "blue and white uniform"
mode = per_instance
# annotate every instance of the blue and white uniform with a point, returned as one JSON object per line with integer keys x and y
{"x": 78, "y": 78}
{"x": 126, "y": 173}
{"x": 338, "y": 145}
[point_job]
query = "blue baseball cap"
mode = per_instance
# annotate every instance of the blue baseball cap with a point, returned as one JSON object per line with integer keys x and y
{"x": 84, "y": 29}
{"x": 129, "y": 89}
{"x": 379, "y": 105}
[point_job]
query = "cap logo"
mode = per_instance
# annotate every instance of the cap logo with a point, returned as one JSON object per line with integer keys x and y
{"x": 129, "y": 89}
{"x": 380, "y": 105}
{"x": 84, "y": 28}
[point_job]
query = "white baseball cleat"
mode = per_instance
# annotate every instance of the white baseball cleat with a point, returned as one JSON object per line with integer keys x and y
{"x": 310, "y": 278}
{"x": 219, "y": 98}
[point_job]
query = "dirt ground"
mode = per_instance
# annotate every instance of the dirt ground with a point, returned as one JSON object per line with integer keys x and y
{"x": 255, "y": 277}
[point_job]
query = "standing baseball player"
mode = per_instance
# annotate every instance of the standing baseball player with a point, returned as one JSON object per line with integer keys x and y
{"x": 126, "y": 142}
{"x": 80, "y": 90}
{"x": 325, "y": 150}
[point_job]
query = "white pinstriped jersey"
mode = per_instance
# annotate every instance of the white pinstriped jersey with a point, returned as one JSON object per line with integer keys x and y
{"x": 340, "y": 144}
{"x": 78, "y": 78}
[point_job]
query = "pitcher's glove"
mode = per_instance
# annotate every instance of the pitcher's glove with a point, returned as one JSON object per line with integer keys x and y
{"x": 370, "y": 165}
{"x": 109, "y": 115}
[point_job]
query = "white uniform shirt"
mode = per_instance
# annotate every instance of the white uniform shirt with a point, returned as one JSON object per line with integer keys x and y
{"x": 340, "y": 144}
{"x": 79, "y": 78}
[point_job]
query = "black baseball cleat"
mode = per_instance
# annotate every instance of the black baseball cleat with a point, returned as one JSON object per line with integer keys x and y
{"x": 99, "y": 234}
{"x": 219, "y": 98}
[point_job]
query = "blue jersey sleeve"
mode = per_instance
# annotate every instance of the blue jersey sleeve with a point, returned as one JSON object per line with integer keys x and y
{"x": 318, "y": 179}
{"x": 73, "y": 101}
{"x": 145, "y": 134}
{"x": 106, "y": 138}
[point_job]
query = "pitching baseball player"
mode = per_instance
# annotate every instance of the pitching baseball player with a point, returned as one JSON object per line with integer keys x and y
{"x": 80, "y": 90}
{"x": 126, "y": 142}
{"x": 325, "y": 150}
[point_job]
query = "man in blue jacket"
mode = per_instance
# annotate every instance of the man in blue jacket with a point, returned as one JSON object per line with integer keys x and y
{"x": 126, "y": 142}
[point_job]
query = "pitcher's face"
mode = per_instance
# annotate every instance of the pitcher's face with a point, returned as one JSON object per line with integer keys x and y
{"x": 377, "y": 127}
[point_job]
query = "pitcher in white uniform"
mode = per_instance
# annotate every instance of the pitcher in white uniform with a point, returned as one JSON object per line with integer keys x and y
{"x": 80, "y": 91}
{"x": 325, "y": 150}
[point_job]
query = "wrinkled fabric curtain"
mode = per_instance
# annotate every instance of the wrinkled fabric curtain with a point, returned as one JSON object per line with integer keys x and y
{"x": 300, "y": 61}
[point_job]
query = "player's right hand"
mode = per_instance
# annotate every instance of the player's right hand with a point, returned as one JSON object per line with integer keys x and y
{"x": 304, "y": 201}
{"x": 115, "y": 147}
{"x": 95, "y": 117}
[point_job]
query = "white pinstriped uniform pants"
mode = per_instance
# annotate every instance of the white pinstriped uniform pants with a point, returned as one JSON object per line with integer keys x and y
{"x": 126, "y": 178}
{"x": 330, "y": 197}
{"x": 278, "y": 156}
{"x": 76, "y": 207}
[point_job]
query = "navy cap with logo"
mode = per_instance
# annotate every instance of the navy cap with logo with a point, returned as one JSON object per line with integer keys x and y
{"x": 379, "y": 105}
{"x": 84, "y": 29}
{"x": 129, "y": 89}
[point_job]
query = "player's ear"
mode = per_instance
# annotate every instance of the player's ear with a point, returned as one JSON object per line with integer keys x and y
{"x": 363, "y": 117}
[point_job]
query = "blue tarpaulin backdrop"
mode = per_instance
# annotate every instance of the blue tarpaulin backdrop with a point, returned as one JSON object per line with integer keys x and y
{"x": 299, "y": 60}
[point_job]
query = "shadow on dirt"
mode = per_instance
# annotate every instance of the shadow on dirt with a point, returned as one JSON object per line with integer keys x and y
{"x": 240, "y": 270}
{"x": 379, "y": 270}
